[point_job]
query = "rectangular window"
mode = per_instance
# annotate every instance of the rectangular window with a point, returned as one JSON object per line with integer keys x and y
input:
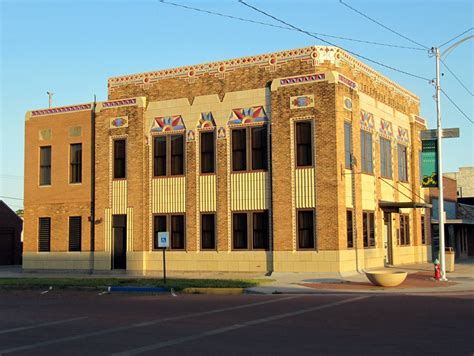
{"x": 249, "y": 149}
{"x": 260, "y": 230}
{"x": 306, "y": 238}
{"x": 208, "y": 231}
{"x": 420, "y": 166}
{"x": 45, "y": 165}
{"x": 159, "y": 225}
{"x": 207, "y": 142}
{"x": 75, "y": 233}
{"x": 259, "y": 147}
{"x": 250, "y": 230}
{"x": 119, "y": 159}
{"x": 404, "y": 232}
{"x": 304, "y": 144}
{"x": 177, "y": 232}
{"x": 368, "y": 230}
{"x": 177, "y": 155}
{"x": 44, "y": 234}
{"x": 159, "y": 156}
{"x": 402, "y": 163}
{"x": 76, "y": 163}
{"x": 239, "y": 150}
{"x": 239, "y": 228}
{"x": 347, "y": 144}
{"x": 350, "y": 232}
{"x": 423, "y": 236}
{"x": 366, "y": 152}
{"x": 385, "y": 158}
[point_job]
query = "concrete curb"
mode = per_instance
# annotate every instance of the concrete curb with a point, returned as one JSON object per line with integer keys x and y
{"x": 215, "y": 291}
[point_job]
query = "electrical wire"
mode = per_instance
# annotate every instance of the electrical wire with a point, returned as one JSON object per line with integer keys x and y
{"x": 457, "y": 107}
{"x": 456, "y": 77}
{"x": 284, "y": 27}
{"x": 452, "y": 39}
{"x": 381, "y": 24}
{"x": 402, "y": 192}
{"x": 332, "y": 44}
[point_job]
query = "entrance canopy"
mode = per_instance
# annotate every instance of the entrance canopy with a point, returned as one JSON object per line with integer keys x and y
{"x": 394, "y": 206}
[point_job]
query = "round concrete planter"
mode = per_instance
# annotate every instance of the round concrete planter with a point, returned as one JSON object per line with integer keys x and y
{"x": 386, "y": 278}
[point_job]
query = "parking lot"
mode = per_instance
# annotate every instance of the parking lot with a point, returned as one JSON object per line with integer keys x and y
{"x": 72, "y": 322}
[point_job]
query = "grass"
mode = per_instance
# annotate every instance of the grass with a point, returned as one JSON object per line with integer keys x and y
{"x": 102, "y": 283}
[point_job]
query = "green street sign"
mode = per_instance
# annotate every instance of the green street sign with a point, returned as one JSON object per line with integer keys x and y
{"x": 429, "y": 163}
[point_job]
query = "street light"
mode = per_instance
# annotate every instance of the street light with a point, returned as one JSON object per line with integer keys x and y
{"x": 50, "y": 95}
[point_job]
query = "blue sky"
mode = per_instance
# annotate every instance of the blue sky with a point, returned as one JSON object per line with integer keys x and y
{"x": 72, "y": 47}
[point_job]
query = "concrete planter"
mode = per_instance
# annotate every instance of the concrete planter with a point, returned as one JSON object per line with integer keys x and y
{"x": 386, "y": 278}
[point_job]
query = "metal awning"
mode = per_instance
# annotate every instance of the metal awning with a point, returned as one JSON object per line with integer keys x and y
{"x": 393, "y": 206}
{"x": 454, "y": 221}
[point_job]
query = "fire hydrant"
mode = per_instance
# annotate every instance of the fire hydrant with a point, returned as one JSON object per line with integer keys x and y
{"x": 437, "y": 270}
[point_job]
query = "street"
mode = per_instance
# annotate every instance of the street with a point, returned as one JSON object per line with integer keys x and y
{"x": 72, "y": 322}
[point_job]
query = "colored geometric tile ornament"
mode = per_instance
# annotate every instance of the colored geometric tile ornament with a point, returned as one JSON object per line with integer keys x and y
{"x": 385, "y": 128}
{"x": 221, "y": 133}
{"x": 302, "y": 101}
{"x": 347, "y": 103}
{"x": 254, "y": 115}
{"x": 190, "y": 136}
{"x": 118, "y": 122}
{"x": 168, "y": 124}
{"x": 206, "y": 122}
{"x": 403, "y": 135}
{"x": 367, "y": 120}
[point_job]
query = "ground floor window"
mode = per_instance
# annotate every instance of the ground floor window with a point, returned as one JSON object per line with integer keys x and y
{"x": 250, "y": 230}
{"x": 423, "y": 235}
{"x": 368, "y": 225}
{"x": 208, "y": 231}
{"x": 75, "y": 232}
{"x": 306, "y": 229}
{"x": 404, "y": 231}
{"x": 44, "y": 234}
{"x": 350, "y": 227}
{"x": 174, "y": 224}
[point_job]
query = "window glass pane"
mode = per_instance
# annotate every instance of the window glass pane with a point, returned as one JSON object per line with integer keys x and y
{"x": 208, "y": 231}
{"x": 402, "y": 163}
{"x": 177, "y": 154}
{"x": 76, "y": 163}
{"x": 365, "y": 228}
{"x": 159, "y": 225}
{"x": 207, "y": 152}
{"x": 177, "y": 232}
{"x": 305, "y": 229}
{"x": 159, "y": 156}
{"x": 304, "y": 149}
{"x": 350, "y": 240}
{"x": 366, "y": 152}
{"x": 239, "y": 226}
{"x": 385, "y": 158}
{"x": 119, "y": 159}
{"x": 260, "y": 230}
{"x": 75, "y": 232}
{"x": 347, "y": 144}
{"x": 371, "y": 230}
{"x": 239, "y": 153}
{"x": 259, "y": 147}
{"x": 45, "y": 165}
{"x": 44, "y": 234}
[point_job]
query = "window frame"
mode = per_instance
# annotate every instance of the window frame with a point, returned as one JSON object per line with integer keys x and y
{"x": 315, "y": 240}
{"x": 402, "y": 153}
{"x": 347, "y": 145}
{"x": 212, "y": 154}
{"x": 70, "y": 245}
{"x": 368, "y": 228}
{"x": 249, "y": 149}
{"x": 168, "y": 229}
{"x": 73, "y": 164}
{"x": 350, "y": 228}
{"x": 168, "y": 137}
{"x": 250, "y": 230}
{"x": 386, "y": 158}
{"x": 367, "y": 155}
{"x": 47, "y": 167}
{"x": 214, "y": 215}
{"x": 311, "y": 144}
{"x": 115, "y": 159}
{"x": 404, "y": 230}
{"x": 423, "y": 231}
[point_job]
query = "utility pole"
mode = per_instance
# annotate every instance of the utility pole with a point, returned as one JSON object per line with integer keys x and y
{"x": 50, "y": 95}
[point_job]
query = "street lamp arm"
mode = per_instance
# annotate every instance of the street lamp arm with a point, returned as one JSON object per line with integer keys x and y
{"x": 448, "y": 50}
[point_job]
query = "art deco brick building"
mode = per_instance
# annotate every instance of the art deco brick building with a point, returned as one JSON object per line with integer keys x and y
{"x": 304, "y": 160}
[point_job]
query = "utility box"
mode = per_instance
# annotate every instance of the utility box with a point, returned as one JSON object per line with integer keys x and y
{"x": 450, "y": 254}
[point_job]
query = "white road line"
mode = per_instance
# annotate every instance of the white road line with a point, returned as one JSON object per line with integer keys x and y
{"x": 138, "y": 325}
{"x": 21, "y": 328}
{"x": 181, "y": 340}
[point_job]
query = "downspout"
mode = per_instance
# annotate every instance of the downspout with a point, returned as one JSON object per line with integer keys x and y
{"x": 268, "y": 93}
{"x": 92, "y": 213}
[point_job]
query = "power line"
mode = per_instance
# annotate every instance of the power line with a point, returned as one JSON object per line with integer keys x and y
{"x": 332, "y": 44}
{"x": 456, "y": 77}
{"x": 402, "y": 192}
{"x": 452, "y": 39}
{"x": 5, "y": 197}
{"x": 286, "y": 28}
{"x": 457, "y": 107}
{"x": 382, "y": 25}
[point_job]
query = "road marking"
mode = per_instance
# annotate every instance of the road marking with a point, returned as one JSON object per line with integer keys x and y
{"x": 181, "y": 340}
{"x": 139, "y": 325}
{"x": 21, "y": 328}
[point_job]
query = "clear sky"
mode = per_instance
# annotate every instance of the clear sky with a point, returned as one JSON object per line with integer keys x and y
{"x": 71, "y": 47}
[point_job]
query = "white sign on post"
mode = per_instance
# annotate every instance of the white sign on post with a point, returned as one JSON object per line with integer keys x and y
{"x": 163, "y": 239}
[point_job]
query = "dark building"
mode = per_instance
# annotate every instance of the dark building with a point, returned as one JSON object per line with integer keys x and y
{"x": 11, "y": 226}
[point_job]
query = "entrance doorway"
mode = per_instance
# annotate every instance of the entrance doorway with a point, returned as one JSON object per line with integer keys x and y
{"x": 119, "y": 236}
{"x": 387, "y": 238}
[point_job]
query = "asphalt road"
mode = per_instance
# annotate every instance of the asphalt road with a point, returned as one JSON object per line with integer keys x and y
{"x": 85, "y": 323}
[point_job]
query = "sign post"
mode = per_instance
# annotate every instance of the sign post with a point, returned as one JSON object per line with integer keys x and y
{"x": 163, "y": 242}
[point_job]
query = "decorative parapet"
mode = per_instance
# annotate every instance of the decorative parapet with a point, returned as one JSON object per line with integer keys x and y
{"x": 59, "y": 110}
{"x": 119, "y": 103}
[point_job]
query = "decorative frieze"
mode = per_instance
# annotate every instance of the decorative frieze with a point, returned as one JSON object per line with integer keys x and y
{"x": 302, "y": 101}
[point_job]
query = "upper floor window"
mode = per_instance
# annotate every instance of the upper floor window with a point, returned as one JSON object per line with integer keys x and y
{"x": 366, "y": 152}
{"x": 347, "y": 144}
{"x": 385, "y": 158}
{"x": 306, "y": 229}
{"x": 168, "y": 155}
{"x": 249, "y": 148}
{"x": 207, "y": 143}
{"x": 402, "y": 163}
{"x": 120, "y": 162}
{"x": 45, "y": 165}
{"x": 304, "y": 144}
{"x": 75, "y": 174}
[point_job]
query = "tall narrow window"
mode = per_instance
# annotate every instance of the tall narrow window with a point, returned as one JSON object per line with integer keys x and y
{"x": 207, "y": 142}
{"x": 347, "y": 144}
{"x": 44, "y": 234}
{"x": 159, "y": 156}
{"x": 119, "y": 159}
{"x": 404, "y": 234}
{"x": 159, "y": 225}
{"x": 366, "y": 152}
{"x": 208, "y": 231}
{"x": 239, "y": 150}
{"x": 75, "y": 233}
{"x": 259, "y": 147}
{"x": 45, "y": 165}
{"x": 304, "y": 144}
{"x": 423, "y": 236}
{"x": 239, "y": 228}
{"x": 260, "y": 230}
{"x": 177, "y": 155}
{"x": 368, "y": 229}
{"x": 385, "y": 158}
{"x": 306, "y": 229}
{"x": 177, "y": 232}
{"x": 402, "y": 163}
{"x": 420, "y": 167}
{"x": 76, "y": 163}
{"x": 350, "y": 231}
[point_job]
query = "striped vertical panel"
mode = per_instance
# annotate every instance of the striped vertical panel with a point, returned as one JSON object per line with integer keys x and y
{"x": 250, "y": 191}
{"x": 169, "y": 195}
{"x": 108, "y": 230}
{"x": 304, "y": 188}
{"x": 207, "y": 193}
{"x": 129, "y": 229}
{"x": 119, "y": 197}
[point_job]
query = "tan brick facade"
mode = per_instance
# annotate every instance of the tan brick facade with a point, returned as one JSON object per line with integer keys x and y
{"x": 279, "y": 89}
